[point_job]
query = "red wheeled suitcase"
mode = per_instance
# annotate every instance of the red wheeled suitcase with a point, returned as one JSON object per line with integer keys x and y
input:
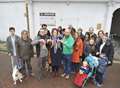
{"x": 79, "y": 79}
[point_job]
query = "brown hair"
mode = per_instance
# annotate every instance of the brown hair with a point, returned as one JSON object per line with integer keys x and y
{"x": 54, "y": 29}
{"x": 23, "y": 33}
{"x": 101, "y": 31}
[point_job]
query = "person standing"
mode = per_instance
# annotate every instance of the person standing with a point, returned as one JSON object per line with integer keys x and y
{"x": 44, "y": 27}
{"x": 80, "y": 31}
{"x": 26, "y": 52}
{"x": 77, "y": 52}
{"x": 55, "y": 51}
{"x": 42, "y": 60}
{"x": 13, "y": 46}
{"x": 99, "y": 39}
{"x": 92, "y": 34}
{"x": 68, "y": 42}
{"x": 41, "y": 35}
{"x": 42, "y": 53}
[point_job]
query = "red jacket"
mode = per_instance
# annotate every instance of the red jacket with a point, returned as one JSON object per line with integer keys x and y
{"x": 77, "y": 51}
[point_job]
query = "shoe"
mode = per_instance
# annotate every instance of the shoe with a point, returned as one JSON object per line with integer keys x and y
{"x": 63, "y": 75}
{"x": 99, "y": 85}
{"x": 73, "y": 72}
{"x": 67, "y": 77}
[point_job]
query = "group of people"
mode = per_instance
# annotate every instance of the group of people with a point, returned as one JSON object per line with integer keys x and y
{"x": 62, "y": 47}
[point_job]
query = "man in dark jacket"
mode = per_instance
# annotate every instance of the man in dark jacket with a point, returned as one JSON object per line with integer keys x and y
{"x": 44, "y": 27}
{"x": 41, "y": 35}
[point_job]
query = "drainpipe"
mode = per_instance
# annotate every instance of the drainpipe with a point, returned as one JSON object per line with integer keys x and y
{"x": 27, "y": 15}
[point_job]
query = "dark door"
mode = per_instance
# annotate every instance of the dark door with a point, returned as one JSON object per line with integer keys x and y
{"x": 115, "y": 33}
{"x": 115, "y": 27}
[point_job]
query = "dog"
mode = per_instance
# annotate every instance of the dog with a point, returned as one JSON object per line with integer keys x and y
{"x": 48, "y": 67}
{"x": 17, "y": 75}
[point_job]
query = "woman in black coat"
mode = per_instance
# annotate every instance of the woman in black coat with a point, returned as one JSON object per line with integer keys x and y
{"x": 107, "y": 48}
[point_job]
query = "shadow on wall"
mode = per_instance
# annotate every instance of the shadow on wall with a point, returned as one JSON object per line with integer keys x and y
{"x": 116, "y": 44}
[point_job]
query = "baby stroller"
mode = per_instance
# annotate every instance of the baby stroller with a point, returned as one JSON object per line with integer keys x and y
{"x": 87, "y": 72}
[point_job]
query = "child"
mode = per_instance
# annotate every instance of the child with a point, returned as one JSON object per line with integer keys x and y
{"x": 101, "y": 69}
{"x": 83, "y": 73}
{"x": 85, "y": 70}
{"x": 42, "y": 58}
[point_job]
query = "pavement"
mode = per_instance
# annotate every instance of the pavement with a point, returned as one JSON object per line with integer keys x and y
{"x": 112, "y": 77}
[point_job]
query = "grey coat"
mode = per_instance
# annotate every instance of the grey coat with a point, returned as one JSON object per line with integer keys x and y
{"x": 26, "y": 49}
{"x": 10, "y": 46}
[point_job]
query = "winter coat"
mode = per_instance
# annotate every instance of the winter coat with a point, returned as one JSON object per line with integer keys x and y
{"x": 56, "y": 52}
{"x": 77, "y": 51}
{"x": 88, "y": 48}
{"x": 108, "y": 50}
{"x": 26, "y": 48}
{"x": 68, "y": 43}
{"x": 10, "y": 46}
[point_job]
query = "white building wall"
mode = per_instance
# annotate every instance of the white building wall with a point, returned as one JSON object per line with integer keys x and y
{"x": 82, "y": 15}
{"x": 11, "y": 14}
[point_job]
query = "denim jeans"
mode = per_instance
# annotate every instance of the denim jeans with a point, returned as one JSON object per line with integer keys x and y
{"x": 27, "y": 68}
{"x": 75, "y": 67}
{"x": 99, "y": 77}
{"x": 67, "y": 64}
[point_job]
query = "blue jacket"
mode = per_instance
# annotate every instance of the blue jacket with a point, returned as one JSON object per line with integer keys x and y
{"x": 92, "y": 61}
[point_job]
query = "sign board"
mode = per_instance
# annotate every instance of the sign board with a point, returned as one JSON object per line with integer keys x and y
{"x": 48, "y": 18}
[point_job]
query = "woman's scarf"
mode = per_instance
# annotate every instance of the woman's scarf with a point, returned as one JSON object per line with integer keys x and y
{"x": 55, "y": 45}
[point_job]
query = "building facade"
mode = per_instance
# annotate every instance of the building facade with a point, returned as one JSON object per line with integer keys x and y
{"x": 79, "y": 13}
